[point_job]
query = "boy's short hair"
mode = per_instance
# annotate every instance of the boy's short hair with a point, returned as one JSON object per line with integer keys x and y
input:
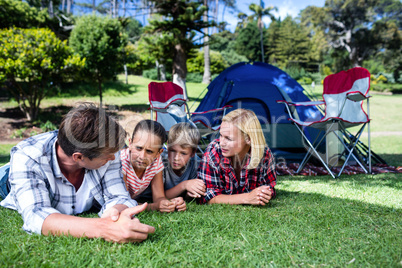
{"x": 184, "y": 134}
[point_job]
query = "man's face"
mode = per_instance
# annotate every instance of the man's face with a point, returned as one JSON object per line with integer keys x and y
{"x": 97, "y": 162}
{"x": 179, "y": 156}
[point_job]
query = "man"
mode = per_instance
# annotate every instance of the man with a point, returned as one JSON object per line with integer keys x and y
{"x": 65, "y": 172}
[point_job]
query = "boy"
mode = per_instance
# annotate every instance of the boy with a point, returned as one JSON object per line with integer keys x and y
{"x": 181, "y": 163}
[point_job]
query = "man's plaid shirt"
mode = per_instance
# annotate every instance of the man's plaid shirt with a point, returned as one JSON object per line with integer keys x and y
{"x": 39, "y": 189}
{"x": 219, "y": 174}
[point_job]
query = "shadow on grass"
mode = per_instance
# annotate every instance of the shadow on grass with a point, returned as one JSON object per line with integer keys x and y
{"x": 74, "y": 89}
{"x": 392, "y": 159}
{"x": 392, "y": 180}
{"x": 4, "y": 158}
{"x": 138, "y": 108}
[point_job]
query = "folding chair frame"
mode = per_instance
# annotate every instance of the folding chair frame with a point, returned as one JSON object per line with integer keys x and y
{"x": 349, "y": 147}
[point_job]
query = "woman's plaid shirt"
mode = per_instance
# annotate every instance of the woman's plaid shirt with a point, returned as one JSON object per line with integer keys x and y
{"x": 219, "y": 174}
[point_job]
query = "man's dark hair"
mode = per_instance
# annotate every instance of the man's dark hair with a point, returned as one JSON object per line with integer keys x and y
{"x": 87, "y": 129}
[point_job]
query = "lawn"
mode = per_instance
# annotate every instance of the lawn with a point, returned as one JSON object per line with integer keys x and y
{"x": 314, "y": 221}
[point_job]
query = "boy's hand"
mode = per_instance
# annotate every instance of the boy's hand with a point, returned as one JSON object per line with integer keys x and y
{"x": 196, "y": 188}
{"x": 180, "y": 203}
{"x": 166, "y": 206}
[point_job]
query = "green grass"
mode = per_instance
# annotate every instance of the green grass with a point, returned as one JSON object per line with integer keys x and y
{"x": 315, "y": 221}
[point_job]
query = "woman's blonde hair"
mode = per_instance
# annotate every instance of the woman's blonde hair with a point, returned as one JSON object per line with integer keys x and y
{"x": 250, "y": 126}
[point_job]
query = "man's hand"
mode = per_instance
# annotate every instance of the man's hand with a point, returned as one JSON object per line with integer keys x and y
{"x": 259, "y": 196}
{"x": 114, "y": 212}
{"x": 127, "y": 228}
{"x": 180, "y": 203}
{"x": 195, "y": 188}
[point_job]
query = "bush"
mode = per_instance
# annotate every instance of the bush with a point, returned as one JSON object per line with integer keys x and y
{"x": 194, "y": 77}
{"x": 305, "y": 81}
{"x": 31, "y": 62}
{"x": 150, "y": 74}
{"x": 393, "y": 88}
{"x": 316, "y": 77}
{"x": 153, "y": 75}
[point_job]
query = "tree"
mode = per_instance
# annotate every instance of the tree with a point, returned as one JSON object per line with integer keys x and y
{"x": 259, "y": 12}
{"x": 354, "y": 28}
{"x": 31, "y": 61}
{"x": 196, "y": 64}
{"x": 101, "y": 41}
{"x": 291, "y": 45}
{"x": 20, "y": 14}
{"x": 206, "y": 78}
{"x": 247, "y": 42}
{"x": 181, "y": 19}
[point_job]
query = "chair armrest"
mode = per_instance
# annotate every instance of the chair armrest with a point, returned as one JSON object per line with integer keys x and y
{"x": 302, "y": 103}
{"x": 357, "y": 96}
{"x": 213, "y": 110}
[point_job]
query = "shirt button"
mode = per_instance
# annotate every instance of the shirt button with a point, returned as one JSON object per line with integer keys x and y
{"x": 73, "y": 207}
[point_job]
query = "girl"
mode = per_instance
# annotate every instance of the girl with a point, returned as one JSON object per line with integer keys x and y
{"x": 142, "y": 165}
{"x": 238, "y": 168}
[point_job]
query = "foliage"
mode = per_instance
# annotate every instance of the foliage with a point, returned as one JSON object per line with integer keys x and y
{"x": 152, "y": 48}
{"x": 222, "y": 41}
{"x": 133, "y": 30}
{"x": 259, "y": 12}
{"x": 247, "y": 42}
{"x": 373, "y": 67}
{"x": 217, "y": 63}
{"x": 181, "y": 19}
{"x": 291, "y": 44}
{"x": 231, "y": 57}
{"x": 393, "y": 88}
{"x": 20, "y": 14}
{"x": 194, "y": 77}
{"x": 101, "y": 41}
{"x": 355, "y": 29}
{"x": 225, "y": 42}
{"x": 153, "y": 74}
{"x": 32, "y": 61}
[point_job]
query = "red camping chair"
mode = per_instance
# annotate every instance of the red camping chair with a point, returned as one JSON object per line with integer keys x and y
{"x": 167, "y": 100}
{"x": 343, "y": 95}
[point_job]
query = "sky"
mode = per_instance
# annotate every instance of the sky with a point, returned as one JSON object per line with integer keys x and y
{"x": 285, "y": 7}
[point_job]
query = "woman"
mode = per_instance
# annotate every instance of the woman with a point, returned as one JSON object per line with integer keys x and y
{"x": 238, "y": 168}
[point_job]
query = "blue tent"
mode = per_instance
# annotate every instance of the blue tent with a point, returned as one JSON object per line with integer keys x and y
{"x": 258, "y": 86}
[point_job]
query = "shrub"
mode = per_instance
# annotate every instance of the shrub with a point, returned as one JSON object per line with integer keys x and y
{"x": 194, "y": 77}
{"x": 150, "y": 74}
{"x": 31, "y": 61}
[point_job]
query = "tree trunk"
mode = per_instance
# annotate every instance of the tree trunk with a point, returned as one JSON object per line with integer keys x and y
{"x": 206, "y": 79}
{"x": 262, "y": 45}
{"x": 50, "y": 9}
{"x": 162, "y": 69}
{"x": 216, "y": 14}
{"x": 180, "y": 68}
{"x": 69, "y": 6}
{"x": 100, "y": 89}
{"x": 125, "y": 73}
